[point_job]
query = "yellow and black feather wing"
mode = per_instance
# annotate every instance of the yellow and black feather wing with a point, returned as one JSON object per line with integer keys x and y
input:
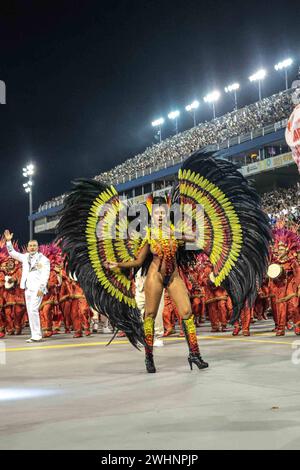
{"x": 93, "y": 231}
{"x": 234, "y": 231}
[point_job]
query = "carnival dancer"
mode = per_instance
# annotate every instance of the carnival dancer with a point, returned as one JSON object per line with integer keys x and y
{"x": 244, "y": 322}
{"x": 235, "y": 237}
{"x": 2, "y": 317}
{"x": 64, "y": 299}
{"x": 279, "y": 298}
{"x": 195, "y": 277}
{"x": 47, "y": 307}
{"x": 13, "y": 296}
{"x": 35, "y": 275}
{"x": 57, "y": 311}
{"x": 189, "y": 278}
{"x": 262, "y": 302}
{"x": 50, "y": 313}
{"x": 80, "y": 310}
{"x": 217, "y": 304}
{"x": 283, "y": 283}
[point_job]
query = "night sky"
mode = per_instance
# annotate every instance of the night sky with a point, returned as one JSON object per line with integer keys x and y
{"x": 85, "y": 79}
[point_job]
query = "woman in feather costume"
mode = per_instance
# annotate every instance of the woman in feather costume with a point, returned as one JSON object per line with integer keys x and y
{"x": 102, "y": 252}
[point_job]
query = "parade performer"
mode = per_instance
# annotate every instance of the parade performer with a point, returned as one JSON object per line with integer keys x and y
{"x": 262, "y": 302}
{"x": 35, "y": 275}
{"x": 2, "y": 317}
{"x": 64, "y": 299}
{"x": 235, "y": 237}
{"x": 57, "y": 311}
{"x": 283, "y": 280}
{"x": 193, "y": 280}
{"x": 244, "y": 322}
{"x": 217, "y": 304}
{"x": 13, "y": 296}
{"x": 48, "y": 307}
{"x": 80, "y": 311}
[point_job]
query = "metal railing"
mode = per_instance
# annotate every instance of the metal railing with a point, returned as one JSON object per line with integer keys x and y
{"x": 223, "y": 145}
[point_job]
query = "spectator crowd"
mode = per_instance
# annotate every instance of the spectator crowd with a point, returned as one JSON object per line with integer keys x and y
{"x": 255, "y": 116}
{"x": 283, "y": 204}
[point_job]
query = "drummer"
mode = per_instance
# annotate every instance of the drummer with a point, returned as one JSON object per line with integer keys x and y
{"x": 277, "y": 286}
{"x": 284, "y": 299}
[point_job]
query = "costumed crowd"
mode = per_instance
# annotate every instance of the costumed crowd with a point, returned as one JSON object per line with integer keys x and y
{"x": 64, "y": 308}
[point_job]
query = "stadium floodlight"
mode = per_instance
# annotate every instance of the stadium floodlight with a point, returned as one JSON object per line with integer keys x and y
{"x": 212, "y": 98}
{"x": 233, "y": 88}
{"x": 158, "y": 123}
{"x": 173, "y": 115}
{"x": 28, "y": 172}
{"x": 258, "y": 77}
{"x": 283, "y": 65}
{"x": 192, "y": 108}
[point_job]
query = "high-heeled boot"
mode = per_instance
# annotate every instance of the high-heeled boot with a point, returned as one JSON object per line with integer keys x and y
{"x": 149, "y": 337}
{"x": 191, "y": 338}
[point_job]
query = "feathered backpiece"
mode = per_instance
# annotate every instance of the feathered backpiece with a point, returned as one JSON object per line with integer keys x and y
{"x": 149, "y": 203}
{"x": 234, "y": 231}
{"x": 285, "y": 248}
{"x": 92, "y": 231}
{"x": 53, "y": 252}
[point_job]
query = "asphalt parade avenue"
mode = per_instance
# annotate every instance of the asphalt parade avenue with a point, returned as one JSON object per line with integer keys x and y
{"x": 79, "y": 394}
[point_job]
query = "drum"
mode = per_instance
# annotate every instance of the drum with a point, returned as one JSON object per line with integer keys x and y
{"x": 274, "y": 270}
{"x": 9, "y": 282}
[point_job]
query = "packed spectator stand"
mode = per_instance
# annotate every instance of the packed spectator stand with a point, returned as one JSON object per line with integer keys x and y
{"x": 271, "y": 110}
{"x": 283, "y": 204}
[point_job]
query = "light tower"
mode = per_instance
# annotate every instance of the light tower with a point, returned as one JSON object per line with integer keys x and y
{"x": 212, "y": 98}
{"x": 173, "y": 115}
{"x": 192, "y": 108}
{"x": 284, "y": 65}
{"x": 258, "y": 77}
{"x": 233, "y": 89}
{"x": 158, "y": 123}
{"x": 28, "y": 172}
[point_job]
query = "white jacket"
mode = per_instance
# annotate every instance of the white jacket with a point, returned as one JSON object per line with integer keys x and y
{"x": 36, "y": 269}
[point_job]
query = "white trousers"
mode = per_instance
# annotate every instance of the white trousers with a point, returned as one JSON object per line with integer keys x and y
{"x": 33, "y": 303}
{"x": 159, "y": 324}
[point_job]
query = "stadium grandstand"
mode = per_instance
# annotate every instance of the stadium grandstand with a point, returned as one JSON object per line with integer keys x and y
{"x": 251, "y": 137}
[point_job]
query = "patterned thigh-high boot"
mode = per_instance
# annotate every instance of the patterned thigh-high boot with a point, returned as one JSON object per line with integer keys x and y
{"x": 149, "y": 337}
{"x": 191, "y": 338}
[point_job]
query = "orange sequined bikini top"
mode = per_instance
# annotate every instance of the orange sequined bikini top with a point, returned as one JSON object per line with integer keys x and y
{"x": 165, "y": 247}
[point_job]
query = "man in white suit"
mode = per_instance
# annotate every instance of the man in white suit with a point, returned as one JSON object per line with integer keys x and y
{"x": 35, "y": 275}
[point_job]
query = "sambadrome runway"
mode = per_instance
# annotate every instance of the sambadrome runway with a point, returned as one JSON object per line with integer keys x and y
{"x": 63, "y": 394}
